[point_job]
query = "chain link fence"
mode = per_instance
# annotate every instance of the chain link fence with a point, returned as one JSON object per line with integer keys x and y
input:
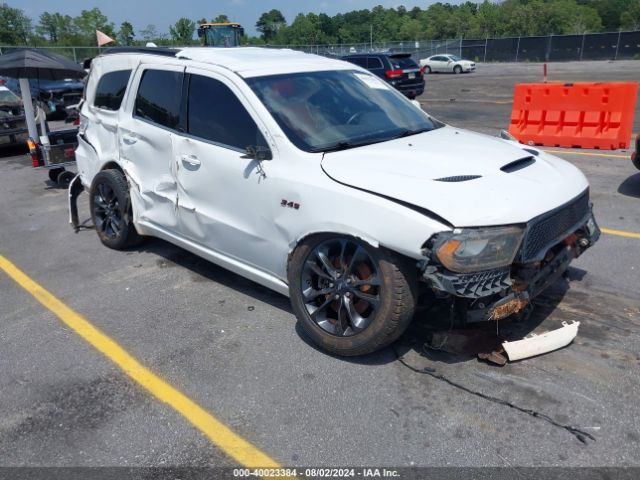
{"x": 592, "y": 46}
{"x": 552, "y": 48}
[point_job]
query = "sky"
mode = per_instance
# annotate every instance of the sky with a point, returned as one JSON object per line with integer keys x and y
{"x": 163, "y": 13}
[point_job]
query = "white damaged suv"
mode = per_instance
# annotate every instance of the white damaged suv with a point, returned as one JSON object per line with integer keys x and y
{"x": 316, "y": 179}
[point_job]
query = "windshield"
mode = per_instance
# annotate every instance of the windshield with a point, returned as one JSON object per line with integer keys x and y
{"x": 323, "y": 111}
{"x": 222, "y": 36}
{"x": 455, "y": 58}
{"x": 7, "y": 96}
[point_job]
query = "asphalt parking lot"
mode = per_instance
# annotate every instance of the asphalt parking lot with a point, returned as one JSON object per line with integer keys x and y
{"x": 233, "y": 348}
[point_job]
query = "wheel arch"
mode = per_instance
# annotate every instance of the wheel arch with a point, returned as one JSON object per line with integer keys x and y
{"x": 113, "y": 165}
{"x": 347, "y": 232}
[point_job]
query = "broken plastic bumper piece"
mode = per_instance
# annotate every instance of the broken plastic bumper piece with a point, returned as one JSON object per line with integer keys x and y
{"x": 543, "y": 343}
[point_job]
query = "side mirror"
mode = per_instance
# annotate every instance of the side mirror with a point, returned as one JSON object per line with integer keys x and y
{"x": 259, "y": 153}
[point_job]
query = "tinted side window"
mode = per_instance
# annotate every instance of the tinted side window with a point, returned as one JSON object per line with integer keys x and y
{"x": 374, "y": 62}
{"x": 216, "y": 114}
{"x": 360, "y": 61}
{"x": 158, "y": 98}
{"x": 110, "y": 89}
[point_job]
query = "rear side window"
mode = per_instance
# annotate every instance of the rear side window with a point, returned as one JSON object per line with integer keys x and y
{"x": 158, "y": 98}
{"x": 216, "y": 114}
{"x": 360, "y": 61}
{"x": 374, "y": 62}
{"x": 110, "y": 89}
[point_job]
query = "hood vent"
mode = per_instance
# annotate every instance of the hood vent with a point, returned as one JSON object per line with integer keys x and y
{"x": 518, "y": 165}
{"x": 458, "y": 178}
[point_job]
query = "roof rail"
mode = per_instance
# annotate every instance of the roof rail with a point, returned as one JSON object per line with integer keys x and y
{"x": 165, "y": 52}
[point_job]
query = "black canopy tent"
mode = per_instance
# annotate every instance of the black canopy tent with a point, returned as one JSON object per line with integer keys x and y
{"x": 27, "y": 63}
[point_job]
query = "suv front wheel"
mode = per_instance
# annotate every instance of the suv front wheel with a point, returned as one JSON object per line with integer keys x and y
{"x": 350, "y": 298}
{"x": 111, "y": 210}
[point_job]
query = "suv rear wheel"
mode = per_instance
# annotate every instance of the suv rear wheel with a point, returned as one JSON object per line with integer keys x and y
{"x": 111, "y": 210}
{"x": 350, "y": 298}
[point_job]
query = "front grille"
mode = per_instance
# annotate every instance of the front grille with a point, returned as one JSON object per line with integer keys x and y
{"x": 548, "y": 229}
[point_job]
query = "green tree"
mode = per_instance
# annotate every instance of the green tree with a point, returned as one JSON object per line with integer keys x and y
{"x": 149, "y": 33}
{"x": 48, "y": 27}
{"x": 609, "y": 11}
{"x": 630, "y": 18}
{"x": 270, "y": 23}
{"x": 220, "y": 19}
{"x": 91, "y": 20}
{"x": 410, "y": 29}
{"x": 15, "y": 26}
{"x": 126, "y": 33}
{"x": 57, "y": 28}
{"x": 182, "y": 31}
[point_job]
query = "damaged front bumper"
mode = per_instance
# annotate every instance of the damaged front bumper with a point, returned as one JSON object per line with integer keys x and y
{"x": 540, "y": 344}
{"x": 500, "y": 293}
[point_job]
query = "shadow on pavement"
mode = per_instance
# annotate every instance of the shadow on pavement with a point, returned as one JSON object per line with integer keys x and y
{"x": 631, "y": 186}
{"x": 429, "y": 335}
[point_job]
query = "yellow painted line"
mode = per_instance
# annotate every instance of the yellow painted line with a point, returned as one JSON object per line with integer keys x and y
{"x": 222, "y": 436}
{"x": 590, "y": 154}
{"x": 620, "y": 233}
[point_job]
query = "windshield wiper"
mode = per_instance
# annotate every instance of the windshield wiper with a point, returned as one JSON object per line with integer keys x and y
{"x": 407, "y": 133}
{"x": 345, "y": 146}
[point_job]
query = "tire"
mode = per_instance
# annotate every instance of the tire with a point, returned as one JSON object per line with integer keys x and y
{"x": 111, "y": 210}
{"x": 427, "y": 69}
{"x": 64, "y": 178}
{"x": 357, "y": 307}
{"x": 54, "y": 173}
{"x": 457, "y": 69}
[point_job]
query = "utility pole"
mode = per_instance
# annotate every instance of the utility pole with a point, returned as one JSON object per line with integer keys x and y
{"x": 371, "y": 36}
{"x": 486, "y": 40}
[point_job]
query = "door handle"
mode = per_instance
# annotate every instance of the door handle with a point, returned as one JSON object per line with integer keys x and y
{"x": 190, "y": 160}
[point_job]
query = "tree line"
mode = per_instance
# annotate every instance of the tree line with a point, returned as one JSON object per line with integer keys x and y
{"x": 440, "y": 20}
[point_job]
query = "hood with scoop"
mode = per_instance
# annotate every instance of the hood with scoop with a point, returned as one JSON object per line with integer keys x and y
{"x": 469, "y": 179}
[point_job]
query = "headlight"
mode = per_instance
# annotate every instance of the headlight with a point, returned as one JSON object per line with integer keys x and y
{"x": 477, "y": 249}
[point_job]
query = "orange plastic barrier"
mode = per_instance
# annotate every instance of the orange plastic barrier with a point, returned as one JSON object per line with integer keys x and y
{"x": 574, "y": 115}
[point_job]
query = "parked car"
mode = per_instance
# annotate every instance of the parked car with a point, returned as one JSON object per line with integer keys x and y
{"x": 321, "y": 182}
{"x": 53, "y": 95}
{"x": 13, "y": 127}
{"x": 446, "y": 63}
{"x": 397, "y": 69}
{"x": 635, "y": 156}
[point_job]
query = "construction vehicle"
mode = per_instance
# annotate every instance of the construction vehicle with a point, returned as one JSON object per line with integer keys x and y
{"x": 227, "y": 34}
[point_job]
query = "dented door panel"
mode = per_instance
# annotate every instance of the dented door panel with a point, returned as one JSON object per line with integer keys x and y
{"x": 223, "y": 201}
{"x": 146, "y": 153}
